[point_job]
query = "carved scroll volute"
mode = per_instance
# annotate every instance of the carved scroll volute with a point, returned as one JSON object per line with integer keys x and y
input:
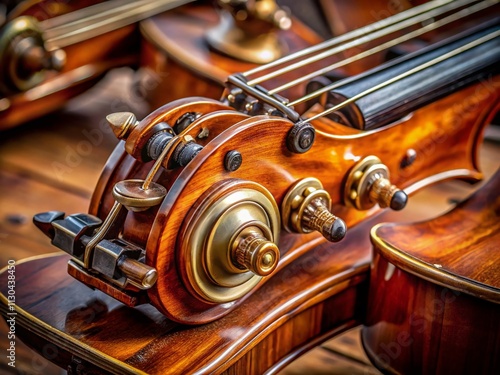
{"x": 443, "y": 135}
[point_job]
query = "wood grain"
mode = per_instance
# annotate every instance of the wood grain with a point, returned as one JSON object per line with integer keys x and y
{"x": 434, "y": 303}
{"x": 444, "y": 135}
{"x": 332, "y": 302}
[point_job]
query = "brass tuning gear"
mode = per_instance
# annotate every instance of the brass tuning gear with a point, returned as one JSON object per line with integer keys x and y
{"x": 228, "y": 240}
{"x": 247, "y": 30}
{"x": 368, "y": 184}
{"x": 253, "y": 251}
{"x": 306, "y": 208}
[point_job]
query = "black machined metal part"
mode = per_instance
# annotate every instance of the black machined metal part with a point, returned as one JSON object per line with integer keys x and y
{"x": 184, "y": 121}
{"x": 157, "y": 143}
{"x": 185, "y": 152}
{"x": 395, "y": 101}
{"x": 71, "y": 232}
{"x": 301, "y": 137}
{"x": 273, "y": 101}
{"x": 232, "y": 160}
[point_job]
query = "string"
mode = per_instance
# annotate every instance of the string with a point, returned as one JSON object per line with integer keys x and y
{"x": 401, "y": 76}
{"x": 421, "y": 17}
{"x": 351, "y": 35}
{"x": 101, "y": 20}
{"x": 452, "y": 18}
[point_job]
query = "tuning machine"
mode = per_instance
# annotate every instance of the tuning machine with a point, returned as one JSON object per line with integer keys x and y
{"x": 306, "y": 208}
{"x": 159, "y": 138}
{"x": 228, "y": 240}
{"x": 368, "y": 184}
{"x": 24, "y": 58}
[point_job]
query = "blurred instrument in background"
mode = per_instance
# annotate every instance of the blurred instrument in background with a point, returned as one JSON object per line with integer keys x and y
{"x": 51, "y": 50}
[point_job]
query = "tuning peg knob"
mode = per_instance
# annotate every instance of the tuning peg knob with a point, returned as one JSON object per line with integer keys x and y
{"x": 122, "y": 123}
{"x": 368, "y": 184}
{"x": 256, "y": 253}
{"x": 306, "y": 208}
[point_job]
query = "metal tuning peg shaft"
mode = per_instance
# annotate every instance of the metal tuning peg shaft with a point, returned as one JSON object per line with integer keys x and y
{"x": 306, "y": 208}
{"x": 162, "y": 135}
{"x": 369, "y": 184}
{"x": 254, "y": 252}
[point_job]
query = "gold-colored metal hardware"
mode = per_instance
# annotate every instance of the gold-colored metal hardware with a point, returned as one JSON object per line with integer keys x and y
{"x": 306, "y": 208}
{"x": 247, "y": 30}
{"x": 134, "y": 197}
{"x": 368, "y": 184}
{"x": 228, "y": 240}
{"x": 253, "y": 251}
{"x": 122, "y": 123}
{"x": 129, "y": 194}
{"x": 138, "y": 273}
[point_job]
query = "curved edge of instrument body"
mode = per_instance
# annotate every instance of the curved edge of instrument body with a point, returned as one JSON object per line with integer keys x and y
{"x": 266, "y": 317}
{"x": 435, "y": 302}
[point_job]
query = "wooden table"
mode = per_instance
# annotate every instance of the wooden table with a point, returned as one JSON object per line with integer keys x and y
{"x": 53, "y": 164}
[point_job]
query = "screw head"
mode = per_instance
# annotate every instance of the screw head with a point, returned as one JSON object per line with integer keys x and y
{"x": 301, "y": 137}
{"x": 409, "y": 158}
{"x": 233, "y": 161}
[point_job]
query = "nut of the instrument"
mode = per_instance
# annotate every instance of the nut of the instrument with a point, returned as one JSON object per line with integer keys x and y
{"x": 368, "y": 184}
{"x": 306, "y": 208}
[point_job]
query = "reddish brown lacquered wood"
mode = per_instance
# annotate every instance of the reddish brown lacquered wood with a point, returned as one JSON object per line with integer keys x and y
{"x": 446, "y": 148}
{"x": 434, "y": 301}
{"x": 322, "y": 292}
{"x": 444, "y": 134}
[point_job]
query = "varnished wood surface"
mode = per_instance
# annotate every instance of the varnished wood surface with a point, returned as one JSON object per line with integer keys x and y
{"x": 459, "y": 250}
{"x": 434, "y": 302}
{"x": 30, "y": 184}
{"x": 445, "y": 141}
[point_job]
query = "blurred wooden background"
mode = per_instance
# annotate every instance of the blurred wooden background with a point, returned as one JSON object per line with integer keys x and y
{"x": 53, "y": 164}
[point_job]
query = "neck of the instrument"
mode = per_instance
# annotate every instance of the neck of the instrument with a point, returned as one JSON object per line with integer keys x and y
{"x": 400, "y": 98}
{"x": 78, "y": 26}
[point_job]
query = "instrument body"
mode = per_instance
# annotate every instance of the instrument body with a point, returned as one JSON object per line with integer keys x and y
{"x": 318, "y": 296}
{"x": 434, "y": 303}
{"x": 445, "y": 151}
{"x": 444, "y": 136}
{"x": 195, "y": 281}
